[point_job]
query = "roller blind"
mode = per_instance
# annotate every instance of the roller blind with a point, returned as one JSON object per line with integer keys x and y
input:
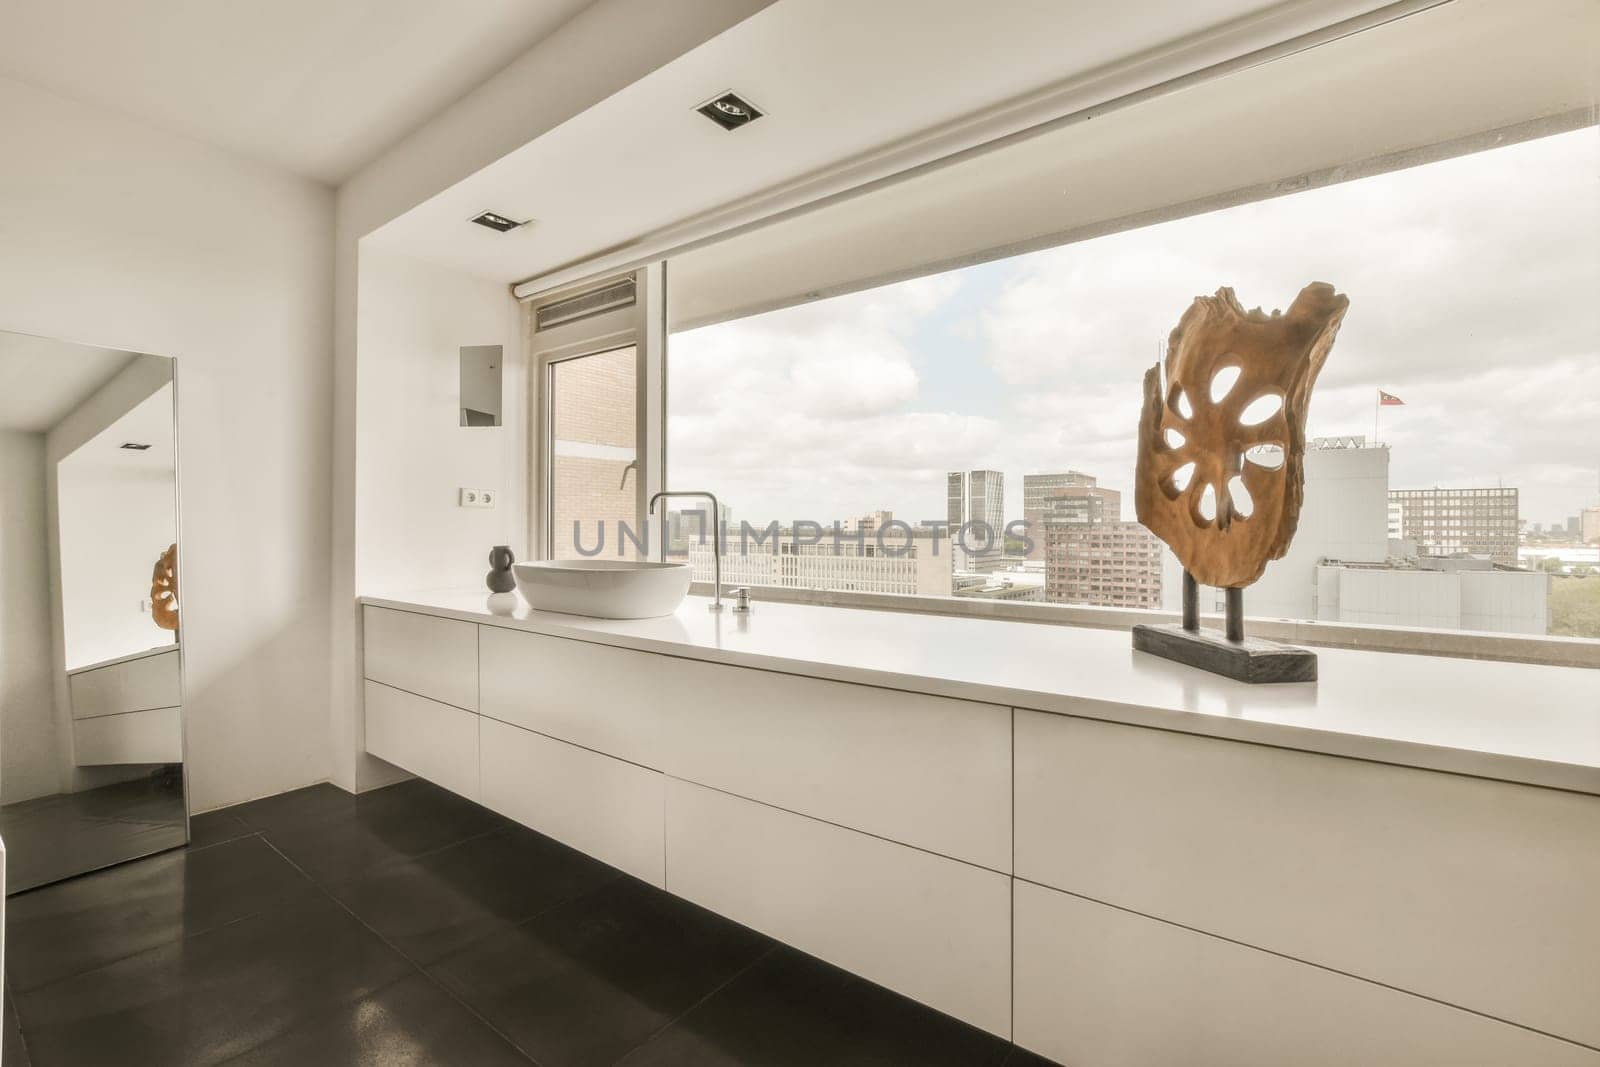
{"x": 1446, "y": 80}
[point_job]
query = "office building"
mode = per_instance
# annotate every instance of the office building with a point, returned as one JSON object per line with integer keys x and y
{"x": 1442, "y": 522}
{"x": 976, "y": 502}
{"x": 1068, "y": 496}
{"x": 1108, "y": 564}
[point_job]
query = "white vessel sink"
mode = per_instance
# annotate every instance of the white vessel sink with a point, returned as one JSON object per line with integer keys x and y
{"x": 603, "y": 588}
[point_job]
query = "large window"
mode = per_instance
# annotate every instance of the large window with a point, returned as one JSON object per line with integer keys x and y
{"x": 892, "y": 417}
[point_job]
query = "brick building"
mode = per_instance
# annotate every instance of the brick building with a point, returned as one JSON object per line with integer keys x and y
{"x": 1443, "y": 522}
{"x": 593, "y": 442}
{"x": 1069, "y": 497}
{"x": 1108, "y": 564}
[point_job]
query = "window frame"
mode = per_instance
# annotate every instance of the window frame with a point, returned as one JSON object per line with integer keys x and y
{"x": 641, "y": 325}
{"x": 1471, "y": 644}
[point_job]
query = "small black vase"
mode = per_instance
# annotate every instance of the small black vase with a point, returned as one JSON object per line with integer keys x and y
{"x": 500, "y": 579}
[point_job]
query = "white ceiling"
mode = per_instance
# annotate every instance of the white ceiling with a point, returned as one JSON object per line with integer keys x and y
{"x": 837, "y": 78}
{"x": 102, "y": 457}
{"x": 317, "y": 87}
{"x": 42, "y": 380}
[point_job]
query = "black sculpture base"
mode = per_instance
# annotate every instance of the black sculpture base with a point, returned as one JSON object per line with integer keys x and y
{"x": 1248, "y": 660}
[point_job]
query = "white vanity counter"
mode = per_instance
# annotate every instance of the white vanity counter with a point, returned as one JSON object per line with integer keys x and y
{"x": 1046, "y": 834}
{"x": 1537, "y": 725}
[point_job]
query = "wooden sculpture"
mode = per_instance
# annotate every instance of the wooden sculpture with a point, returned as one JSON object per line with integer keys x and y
{"x": 1220, "y": 473}
{"x": 164, "y": 590}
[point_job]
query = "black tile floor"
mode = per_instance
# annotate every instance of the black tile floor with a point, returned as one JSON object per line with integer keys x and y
{"x": 408, "y": 926}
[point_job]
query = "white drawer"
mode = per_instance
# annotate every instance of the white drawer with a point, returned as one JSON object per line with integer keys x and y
{"x": 1098, "y": 985}
{"x": 1481, "y": 894}
{"x": 423, "y": 654}
{"x": 601, "y": 806}
{"x": 134, "y": 685}
{"x": 154, "y": 736}
{"x": 435, "y": 741}
{"x": 931, "y": 928}
{"x": 598, "y": 697}
{"x": 928, "y": 771}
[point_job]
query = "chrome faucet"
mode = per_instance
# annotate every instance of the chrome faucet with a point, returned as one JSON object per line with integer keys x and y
{"x": 633, "y": 465}
{"x": 716, "y": 539}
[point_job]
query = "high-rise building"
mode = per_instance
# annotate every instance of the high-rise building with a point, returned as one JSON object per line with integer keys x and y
{"x": 977, "y": 497}
{"x": 1066, "y": 496}
{"x": 1444, "y": 522}
{"x": 1589, "y": 526}
{"x": 1106, "y": 563}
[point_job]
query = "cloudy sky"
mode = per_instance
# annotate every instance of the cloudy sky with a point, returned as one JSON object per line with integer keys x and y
{"x": 1474, "y": 290}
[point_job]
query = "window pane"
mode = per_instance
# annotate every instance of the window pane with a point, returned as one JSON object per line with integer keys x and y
{"x": 593, "y": 441}
{"x": 1450, "y": 479}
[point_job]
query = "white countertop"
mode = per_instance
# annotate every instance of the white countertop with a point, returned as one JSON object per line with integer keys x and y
{"x": 1518, "y": 722}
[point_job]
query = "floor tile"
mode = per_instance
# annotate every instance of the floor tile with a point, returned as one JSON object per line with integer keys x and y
{"x": 13, "y": 1051}
{"x": 77, "y": 925}
{"x": 585, "y": 982}
{"x": 321, "y": 801}
{"x": 432, "y": 906}
{"x": 792, "y": 1010}
{"x": 412, "y": 1021}
{"x": 216, "y": 827}
{"x": 398, "y": 822}
{"x": 215, "y": 995}
{"x": 55, "y": 837}
{"x": 41, "y": 854}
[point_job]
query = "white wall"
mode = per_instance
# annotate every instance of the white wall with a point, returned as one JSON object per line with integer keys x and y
{"x": 1505, "y": 602}
{"x": 117, "y": 234}
{"x": 1379, "y": 597}
{"x": 412, "y": 453}
{"x": 116, "y": 512}
{"x": 608, "y": 45}
{"x": 27, "y": 701}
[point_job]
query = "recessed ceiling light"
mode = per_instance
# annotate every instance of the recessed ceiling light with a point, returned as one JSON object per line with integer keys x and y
{"x": 497, "y": 223}
{"x": 134, "y": 446}
{"x": 730, "y": 111}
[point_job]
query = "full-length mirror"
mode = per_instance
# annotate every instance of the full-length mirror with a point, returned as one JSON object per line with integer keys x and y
{"x": 91, "y": 687}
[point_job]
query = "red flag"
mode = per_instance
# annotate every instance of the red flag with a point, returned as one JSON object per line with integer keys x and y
{"x": 1389, "y": 400}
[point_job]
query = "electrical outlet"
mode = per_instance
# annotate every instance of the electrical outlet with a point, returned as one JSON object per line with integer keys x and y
{"x": 476, "y": 498}
{"x": 469, "y": 498}
{"x": 486, "y": 498}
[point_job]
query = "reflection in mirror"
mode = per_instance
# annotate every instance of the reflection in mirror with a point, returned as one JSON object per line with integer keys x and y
{"x": 91, "y": 688}
{"x": 480, "y": 385}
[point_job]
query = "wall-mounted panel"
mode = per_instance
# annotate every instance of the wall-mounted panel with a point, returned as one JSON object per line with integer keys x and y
{"x": 1098, "y": 985}
{"x": 598, "y": 805}
{"x": 435, "y": 741}
{"x": 592, "y": 695}
{"x": 138, "y": 684}
{"x": 423, "y": 654}
{"x": 1478, "y": 893}
{"x": 931, "y": 928}
{"x": 927, "y": 771}
{"x": 154, "y": 736}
